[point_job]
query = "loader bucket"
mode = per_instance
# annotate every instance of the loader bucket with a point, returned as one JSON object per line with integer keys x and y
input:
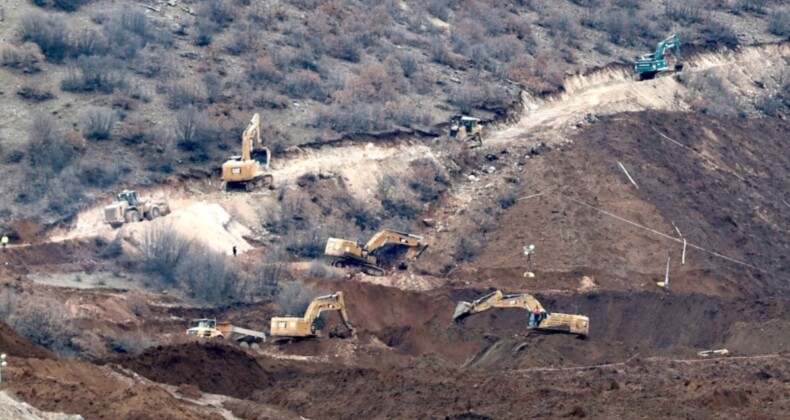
{"x": 462, "y": 310}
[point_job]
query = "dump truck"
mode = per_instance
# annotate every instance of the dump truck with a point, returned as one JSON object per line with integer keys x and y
{"x": 538, "y": 318}
{"x": 250, "y": 170}
{"x": 210, "y": 328}
{"x": 310, "y": 325}
{"x": 344, "y": 252}
{"x": 648, "y": 65}
{"x": 467, "y": 129}
{"x": 127, "y": 208}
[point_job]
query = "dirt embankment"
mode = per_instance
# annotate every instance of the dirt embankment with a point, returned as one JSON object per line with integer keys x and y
{"x": 13, "y": 344}
{"x": 713, "y": 183}
{"x": 214, "y": 368}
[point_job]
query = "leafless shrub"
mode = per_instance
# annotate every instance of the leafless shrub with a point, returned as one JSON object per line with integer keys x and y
{"x": 26, "y": 57}
{"x": 428, "y": 179}
{"x": 409, "y": 64}
{"x": 684, "y": 11}
{"x": 97, "y": 123}
{"x": 265, "y": 70}
{"x": 182, "y": 94}
{"x": 720, "y": 33}
{"x": 305, "y": 84}
{"x": 208, "y": 276}
{"x": 43, "y": 321}
{"x": 89, "y": 42}
{"x": 161, "y": 251}
{"x": 627, "y": 4}
{"x": 194, "y": 132}
{"x": 221, "y": 12}
{"x": 770, "y": 105}
{"x": 308, "y": 243}
{"x": 345, "y": 47}
{"x": 133, "y": 131}
{"x": 68, "y": 5}
{"x": 439, "y": 9}
{"x": 48, "y": 32}
{"x": 467, "y": 249}
{"x": 271, "y": 100}
{"x": 358, "y": 118}
{"x": 469, "y": 97}
{"x": 213, "y": 87}
{"x": 94, "y": 74}
{"x": 99, "y": 174}
{"x": 753, "y": 6}
{"x": 294, "y": 297}
{"x": 206, "y": 29}
{"x": 243, "y": 40}
{"x": 43, "y": 136}
{"x": 779, "y": 23}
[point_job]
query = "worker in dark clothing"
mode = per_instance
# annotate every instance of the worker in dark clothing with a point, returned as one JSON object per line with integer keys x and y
{"x": 234, "y": 250}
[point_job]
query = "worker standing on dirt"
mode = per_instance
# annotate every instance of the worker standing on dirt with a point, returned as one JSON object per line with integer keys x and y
{"x": 234, "y": 250}
{"x": 4, "y": 241}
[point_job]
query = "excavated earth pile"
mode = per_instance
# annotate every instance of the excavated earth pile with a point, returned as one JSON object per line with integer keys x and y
{"x": 214, "y": 368}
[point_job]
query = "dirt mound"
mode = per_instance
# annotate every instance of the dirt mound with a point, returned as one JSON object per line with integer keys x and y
{"x": 73, "y": 386}
{"x": 13, "y": 344}
{"x": 214, "y": 368}
{"x": 13, "y": 409}
{"x": 671, "y": 388}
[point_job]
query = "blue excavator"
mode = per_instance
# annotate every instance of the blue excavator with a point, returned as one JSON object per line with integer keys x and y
{"x": 648, "y": 65}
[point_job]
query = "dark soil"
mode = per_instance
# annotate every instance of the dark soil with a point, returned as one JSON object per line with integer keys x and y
{"x": 214, "y": 368}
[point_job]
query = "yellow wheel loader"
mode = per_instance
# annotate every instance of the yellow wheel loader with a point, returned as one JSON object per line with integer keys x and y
{"x": 210, "y": 328}
{"x": 351, "y": 253}
{"x": 250, "y": 170}
{"x": 309, "y": 325}
{"x": 539, "y": 319}
{"x": 127, "y": 208}
{"x": 467, "y": 129}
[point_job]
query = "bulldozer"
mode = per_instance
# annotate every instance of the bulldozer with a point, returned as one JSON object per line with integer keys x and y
{"x": 309, "y": 325}
{"x": 648, "y": 65}
{"x": 210, "y": 328}
{"x": 351, "y": 253}
{"x": 250, "y": 170}
{"x": 538, "y": 320}
{"x": 467, "y": 129}
{"x": 129, "y": 209}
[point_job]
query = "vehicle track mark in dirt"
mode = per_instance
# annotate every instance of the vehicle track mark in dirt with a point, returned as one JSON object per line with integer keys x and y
{"x": 613, "y": 91}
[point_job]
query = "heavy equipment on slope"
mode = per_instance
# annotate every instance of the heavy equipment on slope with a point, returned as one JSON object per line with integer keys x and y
{"x": 311, "y": 324}
{"x": 250, "y": 170}
{"x": 467, "y": 129}
{"x": 128, "y": 208}
{"x": 210, "y": 328}
{"x": 539, "y": 319}
{"x": 648, "y": 65}
{"x": 345, "y": 252}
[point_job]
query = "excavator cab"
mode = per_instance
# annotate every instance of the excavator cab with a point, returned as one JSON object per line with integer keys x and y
{"x": 648, "y": 65}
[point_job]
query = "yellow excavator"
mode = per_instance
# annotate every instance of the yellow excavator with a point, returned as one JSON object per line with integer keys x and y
{"x": 347, "y": 253}
{"x": 250, "y": 170}
{"x": 309, "y": 325}
{"x": 539, "y": 319}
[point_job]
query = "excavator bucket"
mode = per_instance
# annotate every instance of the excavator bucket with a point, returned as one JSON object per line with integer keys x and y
{"x": 461, "y": 310}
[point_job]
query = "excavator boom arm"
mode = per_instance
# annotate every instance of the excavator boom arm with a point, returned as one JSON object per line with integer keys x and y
{"x": 388, "y": 236}
{"x": 251, "y": 133}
